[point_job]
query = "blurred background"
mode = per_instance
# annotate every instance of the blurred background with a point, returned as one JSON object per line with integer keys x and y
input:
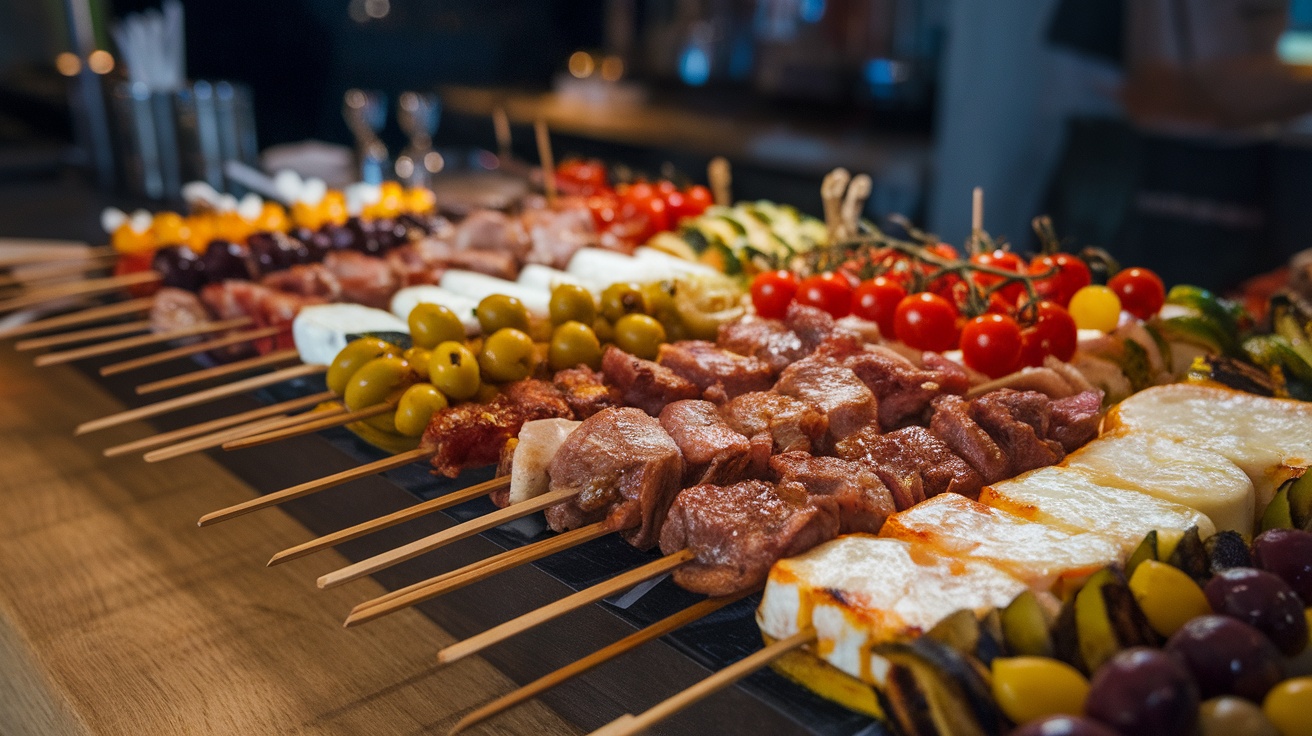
{"x": 1172, "y": 132}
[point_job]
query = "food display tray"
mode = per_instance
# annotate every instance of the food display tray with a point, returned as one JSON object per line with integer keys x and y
{"x": 763, "y": 704}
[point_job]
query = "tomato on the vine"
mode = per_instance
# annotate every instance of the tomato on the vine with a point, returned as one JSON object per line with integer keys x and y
{"x": 877, "y": 300}
{"x": 676, "y": 206}
{"x": 1003, "y": 260}
{"x": 1096, "y": 308}
{"x": 1053, "y": 333}
{"x": 990, "y": 343}
{"x": 926, "y": 321}
{"x": 772, "y": 291}
{"x": 1072, "y": 275}
{"x": 1141, "y": 291}
{"x": 582, "y": 176}
{"x": 699, "y": 198}
{"x": 831, "y": 292}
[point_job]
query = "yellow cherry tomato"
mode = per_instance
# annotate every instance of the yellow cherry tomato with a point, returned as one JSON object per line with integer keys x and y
{"x": 200, "y": 231}
{"x": 170, "y": 228}
{"x": 332, "y": 208}
{"x": 272, "y": 218}
{"x": 1095, "y": 308}
{"x": 1289, "y": 706}
{"x": 420, "y": 201}
{"x": 1168, "y": 597}
{"x": 1030, "y": 688}
{"x": 307, "y": 215}
{"x": 127, "y": 240}
{"x": 416, "y": 408}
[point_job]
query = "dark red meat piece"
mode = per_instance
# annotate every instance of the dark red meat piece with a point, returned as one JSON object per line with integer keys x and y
{"x": 953, "y": 425}
{"x": 472, "y": 435}
{"x": 766, "y": 339}
{"x": 644, "y": 383}
{"x": 913, "y": 463}
{"x": 904, "y": 391}
{"x": 717, "y": 372}
{"x": 586, "y": 391}
{"x": 863, "y": 500}
{"x": 792, "y": 424}
{"x": 712, "y": 451}
{"x": 1018, "y": 421}
{"x": 1075, "y": 419}
{"x": 834, "y": 389}
{"x": 364, "y": 279}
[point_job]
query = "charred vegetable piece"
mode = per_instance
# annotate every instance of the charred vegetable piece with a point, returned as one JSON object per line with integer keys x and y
{"x": 1107, "y": 619}
{"x": 1225, "y": 550}
{"x": 1167, "y": 596}
{"x": 1205, "y": 303}
{"x": 933, "y": 689}
{"x": 1025, "y": 627}
{"x": 1235, "y": 374}
{"x": 1190, "y": 556}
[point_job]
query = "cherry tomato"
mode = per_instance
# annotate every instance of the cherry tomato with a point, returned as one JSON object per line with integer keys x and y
{"x": 1072, "y": 275}
{"x": 638, "y": 192}
{"x": 877, "y": 300}
{"x": 1141, "y": 291}
{"x": 658, "y": 218}
{"x": 831, "y": 292}
{"x": 699, "y": 198}
{"x": 990, "y": 343}
{"x": 926, "y": 321}
{"x": 135, "y": 263}
{"x": 772, "y": 291}
{"x": 1006, "y": 261}
{"x": 676, "y": 206}
{"x": 582, "y": 176}
{"x": 1053, "y": 333}
{"x": 1096, "y": 308}
{"x": 665, "y": 187}
{"x": 943, "y": 250}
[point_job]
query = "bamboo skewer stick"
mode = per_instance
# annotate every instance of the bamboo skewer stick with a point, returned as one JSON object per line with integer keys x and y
{"x": 200, "y": 397}
{"x": 60, "y": 255}
{"x": 184, "y": 351}
{"x": 89, "y": 334}
{"x": 396, "y": 517}
{"x": 305, "y": 489}
{"x": 328, "y": 421}
{"x": 40, "y": 272}
{"x": 599, "y": 657}
{"x": 627, "y": 724}
{"x": 501, "y": 128}
{"x": 855, "y": 200}
{"x": 91, "y": 315}
{"x": 831, "y": 193}
{"x": 213, "y": 439}
{"x": 127, "y": 343}
{"x": 442, "y": 538}
{"x": 623, "y": 581}
{"x": 976, "y": 216}
{"x": 80, "y": 288}
{"x": 219, "y": 371}
{"x": 213, "y": 425}
{"x": 720, "y": 176}
{"x": 413, "y": 595}
{"x": 548, "y": 161}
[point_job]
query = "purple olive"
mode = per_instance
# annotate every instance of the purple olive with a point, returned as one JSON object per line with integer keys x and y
{"x": 225, "y": 260}
{"x": 341, "y": 237}
{"x": 275, "y": 252}
{"x": 1063, "y": 726}
{"x": 1263, "y": 601}
{"x": 366, "y": 235}
{"x": 179, "y": 267}
{"x": 1144, "y": 692}
{"x": 1288, "y": 554}
{"x": 1227, "y": 657}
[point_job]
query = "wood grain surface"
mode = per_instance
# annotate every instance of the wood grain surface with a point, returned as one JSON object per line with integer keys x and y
{"x": 119, "y": 616}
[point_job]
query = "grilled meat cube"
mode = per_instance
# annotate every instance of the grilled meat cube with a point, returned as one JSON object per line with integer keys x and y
{"x": 739, "y": 531}
{"x": 643, "y": 383}
{"x": 717, "y": 372}
{"x": 812, "y": 325}
{"x": 791, "y": 423}
{"x": 766, "y": 339}
{"x": 625, "y": 469}
{"x": 834, "y": 389}
{"x": 952, "y": 424}
{"x": 1075, "y": 419}
{"x": 175, "y": 308}
{"x": 585, "y": 391}
{"x": 306, "y": 279}
{"x": 904, "y": 391}
{"x": 490, "y": 230}
{"x": 712, "y": 451}
{"x": 364, "y": 279}
{"x": 1018, "y": 421}
{"x": 913, "y": 463}
{"x": 863, "y": 500}
{"x": 472, "y": 435}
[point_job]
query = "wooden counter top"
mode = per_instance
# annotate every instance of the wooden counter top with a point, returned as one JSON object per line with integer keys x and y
{"x": 119, "y": 616}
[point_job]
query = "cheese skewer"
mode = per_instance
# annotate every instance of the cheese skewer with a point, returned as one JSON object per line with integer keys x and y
{"x": 90, "y": 315}
{"x": 597, "y": 658}
{"x": 219, "y": 371}
{"x": 107, "y": 348}
{"x": 213, "y": 425}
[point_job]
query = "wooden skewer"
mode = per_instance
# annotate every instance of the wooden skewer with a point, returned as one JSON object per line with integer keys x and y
{"x": 857, "y": 193}
{"x": 42, "y": 272}
{"x": 413, "y": 595}
{"x": 127, "y": 343}
{"x": 200, "y": 397}
{"x": 213, "y": 439}
{"x": 831, "y": 194}
{"x": 234, "y": 338}
{"x": 623, "y": 581}
{"x": 976, "y": 211}
{"x": 310, "y": 427}
{"x": 93, "y": 333}
{"x": 80, "y": 288}
{"x": 81, "y": 317}
{"x": 720, "y": 176}
{"x": 548, "y": 161}
{"x": 442, "y": 538}
{"x": 214, "y": 425}
{"x": 601, "y": 656}
{"x": 219, "y": 371}
{"x": 626, "y": 725}
{"x": 501, "y": 128}
{"x": 57, "y": 255}
{"x": 305, "y": 489}
{"x": 396, "y": 517}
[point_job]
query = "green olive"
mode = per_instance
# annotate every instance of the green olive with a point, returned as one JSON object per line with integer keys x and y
{"x": 431, "y": 324}
{"x": 660, "y": 299}
{"x": 416, "y": 408}
{"x": 572, "y": 344}
{"x": 352, "y": 357}
{"x": 640, "y": 335}
{"x": 499, "y": 311}
{"x": 418, "y": 359}
{"x": 570, "y": 302}
{"x": 453, "y": 369}
{"x": 604, "y": 330}
{"x": 621, "y": 299}
{"x": 381, "y": 380}
{"x": 486, "y": 393}
{"x": 507, "y": 355}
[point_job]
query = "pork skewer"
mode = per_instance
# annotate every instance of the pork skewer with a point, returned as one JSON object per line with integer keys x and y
{"x": 216, "y": 439}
